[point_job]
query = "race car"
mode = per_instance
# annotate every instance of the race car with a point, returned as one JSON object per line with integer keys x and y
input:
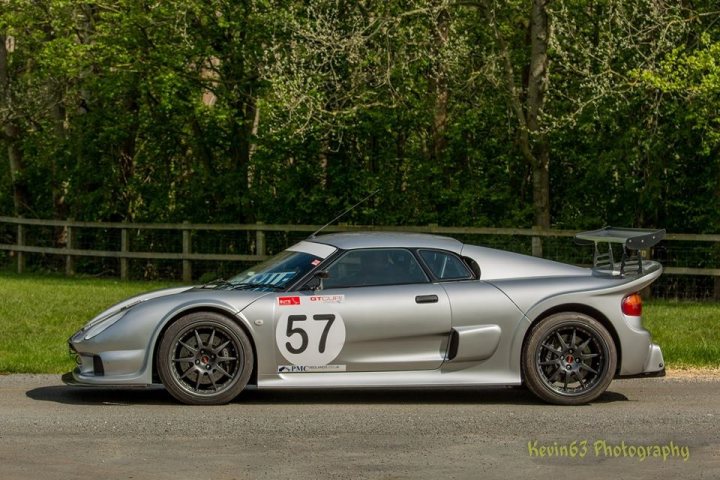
{"x": 382, "y": 309}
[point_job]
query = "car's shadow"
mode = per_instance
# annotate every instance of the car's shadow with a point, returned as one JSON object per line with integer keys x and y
{"x": 416, "y": 396}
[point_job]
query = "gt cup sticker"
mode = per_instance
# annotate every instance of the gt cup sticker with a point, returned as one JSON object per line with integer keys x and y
{"x": 310, "y": 340}
{"x": 313, "y": 299}
{"x": 327, "y": 298}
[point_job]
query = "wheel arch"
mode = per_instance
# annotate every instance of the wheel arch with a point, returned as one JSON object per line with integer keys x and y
{"x": 578, "y": 308}
{"x": 204, "y": 308}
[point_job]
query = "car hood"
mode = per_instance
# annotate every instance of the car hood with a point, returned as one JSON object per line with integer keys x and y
{"x": 143, "y": 297}
{"x": 179, "y": 297}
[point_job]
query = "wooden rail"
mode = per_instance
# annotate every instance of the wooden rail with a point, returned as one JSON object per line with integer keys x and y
{"x": 186, "y": 229}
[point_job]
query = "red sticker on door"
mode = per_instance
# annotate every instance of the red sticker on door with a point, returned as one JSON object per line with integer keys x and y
{"x": 284, "y": 301}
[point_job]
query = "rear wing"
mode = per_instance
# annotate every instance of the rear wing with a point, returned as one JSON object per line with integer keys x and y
{"x": 633, "y": 240}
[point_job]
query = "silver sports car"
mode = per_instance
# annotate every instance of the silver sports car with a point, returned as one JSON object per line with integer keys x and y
{"x": 395, "y": 310}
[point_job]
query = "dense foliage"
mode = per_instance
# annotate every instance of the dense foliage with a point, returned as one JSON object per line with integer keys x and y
{"x": 459, "y": 112}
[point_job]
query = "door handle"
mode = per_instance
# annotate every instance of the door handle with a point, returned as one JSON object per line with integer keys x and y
{"x": 426, "y": 299}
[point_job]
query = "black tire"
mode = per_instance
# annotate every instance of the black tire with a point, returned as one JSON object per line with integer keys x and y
{"x": 204, "y": 359}
{"x": 569, "y": 359}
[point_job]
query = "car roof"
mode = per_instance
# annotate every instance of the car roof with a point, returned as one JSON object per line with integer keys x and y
{"x": 353, "y": 240}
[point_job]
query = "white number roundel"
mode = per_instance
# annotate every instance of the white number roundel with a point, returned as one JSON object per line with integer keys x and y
{"x": 310, "y": 339}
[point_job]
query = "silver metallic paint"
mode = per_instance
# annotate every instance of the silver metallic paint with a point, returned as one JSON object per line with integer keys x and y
{"x": 387, "y": 330}
{"x": 392, "y": 340}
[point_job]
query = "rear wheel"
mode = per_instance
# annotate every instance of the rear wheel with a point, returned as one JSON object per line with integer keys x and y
{"x": 204, "y": 359}
{"x": 569, "y": 359}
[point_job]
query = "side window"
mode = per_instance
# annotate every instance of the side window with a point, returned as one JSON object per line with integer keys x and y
{"x": 445, "y": 266}
{"x": 373, "y": 267}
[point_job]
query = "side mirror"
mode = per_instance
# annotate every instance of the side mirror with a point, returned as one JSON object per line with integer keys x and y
{"x": 320, "y": 276}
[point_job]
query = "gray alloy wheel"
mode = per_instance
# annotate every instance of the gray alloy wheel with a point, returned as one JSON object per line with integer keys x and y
{"x": 569, "y": 359}
{"x": 204, "y": 359}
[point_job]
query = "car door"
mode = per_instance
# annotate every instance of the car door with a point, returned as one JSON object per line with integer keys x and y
{"x": 377, "y": 311}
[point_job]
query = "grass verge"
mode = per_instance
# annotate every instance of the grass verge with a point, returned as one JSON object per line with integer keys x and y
{"x": 687, "y": 332}
{"x": 39, "y": 313}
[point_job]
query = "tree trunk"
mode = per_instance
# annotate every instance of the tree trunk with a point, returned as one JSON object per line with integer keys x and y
{"x": 11, "y": 134}
{"x": 127, "y": 153}
{"x": 242, "y": 128}
{"x": 59, "y": 186}
{"x": 541, "y": 185}
{"x": 527, "y": 105}
{"x": 439, "y": 89}
{"x": 252, "y": 135}
{"x": 21, "y": 195}
{"x": 537, "y": 86}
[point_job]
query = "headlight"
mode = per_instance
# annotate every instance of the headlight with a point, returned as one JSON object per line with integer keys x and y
{"x": 97, "y": 327}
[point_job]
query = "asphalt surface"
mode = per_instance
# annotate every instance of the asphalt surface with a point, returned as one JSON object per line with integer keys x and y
{"x": 50, "y": 431}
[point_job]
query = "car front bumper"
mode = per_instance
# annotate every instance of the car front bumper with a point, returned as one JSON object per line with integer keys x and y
{"x": 108, "y": 368}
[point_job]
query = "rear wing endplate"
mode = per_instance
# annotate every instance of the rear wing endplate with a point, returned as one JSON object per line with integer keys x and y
{"x": 633, "y": 240}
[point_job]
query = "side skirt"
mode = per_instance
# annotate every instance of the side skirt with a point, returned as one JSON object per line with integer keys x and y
{"x": 421, "y": 378}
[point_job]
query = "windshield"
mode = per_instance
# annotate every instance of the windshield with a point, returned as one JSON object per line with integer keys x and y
{"x": 276, "y": 273}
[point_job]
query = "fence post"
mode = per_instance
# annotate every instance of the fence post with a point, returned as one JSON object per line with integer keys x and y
{"x": 259, "y": 240}
{"x": 69, "y": 245}
{"x": 186, "y": 247}
{"x": 20, "y": 243}
{"x": 646, "y": 254}
{"x": 537, "y": 247}
{"x": 124, "y": 248}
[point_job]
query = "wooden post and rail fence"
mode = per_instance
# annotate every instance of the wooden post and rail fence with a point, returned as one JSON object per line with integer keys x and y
{"x": 185, "y": 231}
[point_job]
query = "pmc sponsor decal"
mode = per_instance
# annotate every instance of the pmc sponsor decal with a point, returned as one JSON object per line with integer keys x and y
{"x": 313, "y": 300}
{"x": 310, "y": 368}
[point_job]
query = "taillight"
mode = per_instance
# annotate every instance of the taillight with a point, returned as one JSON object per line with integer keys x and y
{"x": 632, "y": 305}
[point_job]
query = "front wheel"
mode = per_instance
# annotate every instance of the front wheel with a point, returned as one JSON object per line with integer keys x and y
{"x": 569, "y": 359}
{"x": 204, "y": 359}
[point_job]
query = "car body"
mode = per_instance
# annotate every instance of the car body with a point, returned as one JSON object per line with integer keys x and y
{"x": 384, "y": 309}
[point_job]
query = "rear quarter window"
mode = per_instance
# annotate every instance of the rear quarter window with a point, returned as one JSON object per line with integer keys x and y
{"x": 445, "y": 265}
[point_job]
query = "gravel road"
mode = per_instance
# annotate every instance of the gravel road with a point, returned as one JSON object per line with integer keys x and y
{"x": 640, "y": 429}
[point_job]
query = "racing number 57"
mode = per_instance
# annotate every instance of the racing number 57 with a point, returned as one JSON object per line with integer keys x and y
{"x": 304, "y": 341}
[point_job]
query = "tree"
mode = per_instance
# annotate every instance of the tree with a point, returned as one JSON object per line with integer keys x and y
{"x": 464, "y": 112}
{"x": 527, "y": 102}
{"x": 10, "y": 131}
